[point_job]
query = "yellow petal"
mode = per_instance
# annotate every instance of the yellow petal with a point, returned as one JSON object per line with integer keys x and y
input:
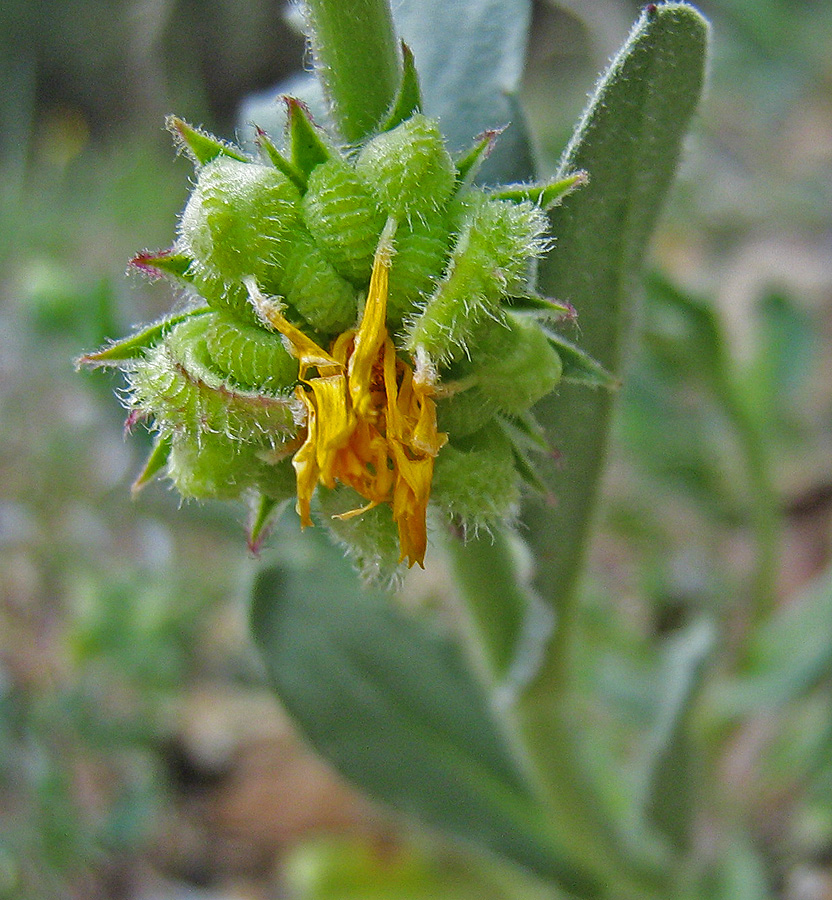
{"x": 305, "y": 462}
{"x": 372, "y": 331}
{"x": 334, "y": 422}
{"x": 302, "y": 347}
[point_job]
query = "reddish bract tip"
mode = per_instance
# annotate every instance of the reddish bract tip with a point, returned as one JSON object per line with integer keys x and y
{"x": 490, "y": 135}
{"x": 144, "y": 262}
{"x": 134, "y": 416}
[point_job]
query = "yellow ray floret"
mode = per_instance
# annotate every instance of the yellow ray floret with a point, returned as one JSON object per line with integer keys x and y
{"x": 370, "y": 422}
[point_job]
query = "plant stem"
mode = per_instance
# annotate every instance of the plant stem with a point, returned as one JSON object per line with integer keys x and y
{"x": 763, "y": 511}
{"x": 357, "y": 57}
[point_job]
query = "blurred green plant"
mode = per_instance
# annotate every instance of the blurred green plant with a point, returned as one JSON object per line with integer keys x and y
{"x": 618, "y": 738}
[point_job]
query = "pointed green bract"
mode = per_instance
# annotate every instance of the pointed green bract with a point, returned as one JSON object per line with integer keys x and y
{"x": 156, "y": 461}
{"x": 579, "y": 367}
{"x": 264, "y": 511}
{"x": 279, "y": 161}
{"x": 163, "y": 263}
{"x": 201, "y": 146}
{"x": 134, "y": 346}
{"x": 542, "y": 307}
{"x": 544, "y": 195}
{"x": 308, "y": 144}
{"x": 469, "y": 164}
{"x": 409, "y": 99}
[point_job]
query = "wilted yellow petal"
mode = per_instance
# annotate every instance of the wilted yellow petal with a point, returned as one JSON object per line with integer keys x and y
{"x": 335, "y": 422}
{"x": 372, "y": 331}
{"x": 305, "y": 463}
{"x": 370, "y": 422}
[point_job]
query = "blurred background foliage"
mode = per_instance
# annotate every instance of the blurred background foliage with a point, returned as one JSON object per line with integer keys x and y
{"x": 141, "y": 755}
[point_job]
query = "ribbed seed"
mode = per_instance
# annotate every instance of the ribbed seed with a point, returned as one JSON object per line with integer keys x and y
{"x": 342, "y": 216}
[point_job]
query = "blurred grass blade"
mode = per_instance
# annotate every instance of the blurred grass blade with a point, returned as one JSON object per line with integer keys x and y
{"x": 391, "y": 704}
{"x": 788, "y": 656}
{"x": 669, "y": 784}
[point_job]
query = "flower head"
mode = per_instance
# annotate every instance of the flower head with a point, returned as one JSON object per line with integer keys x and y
{"x": 364, "y": 336}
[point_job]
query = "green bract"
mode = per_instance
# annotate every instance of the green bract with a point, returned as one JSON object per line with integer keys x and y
{"x": 299, "y": 231}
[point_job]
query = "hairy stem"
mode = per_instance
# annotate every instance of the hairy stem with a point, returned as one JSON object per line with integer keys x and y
{"x": 357, "y": 57}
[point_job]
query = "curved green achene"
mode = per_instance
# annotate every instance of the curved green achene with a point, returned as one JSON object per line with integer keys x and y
{"x": 177, "y": 383}
{"x": 490, "y": 261}
{"x": 343, "y": 218}
{"x": 250, "y": 357}
{"x": 409, "y": 169}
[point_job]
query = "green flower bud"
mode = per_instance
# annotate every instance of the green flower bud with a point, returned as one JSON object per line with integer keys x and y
{"x": 371, "y": 316}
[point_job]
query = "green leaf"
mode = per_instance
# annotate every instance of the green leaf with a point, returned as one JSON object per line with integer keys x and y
{"x": 629, "y": 142}
{"x": 741, "y": 873}
{"x": 391, "y": 704}
{"x": 361, "y": 869}
{"x": 684, "y": 333}
{"x": 669, "y": 780}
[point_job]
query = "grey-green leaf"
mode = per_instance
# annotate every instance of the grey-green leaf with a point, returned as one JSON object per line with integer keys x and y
{"x": 392, "y": 705}
{"x": 470, "y": 56}
{"x": 629, "y": 142}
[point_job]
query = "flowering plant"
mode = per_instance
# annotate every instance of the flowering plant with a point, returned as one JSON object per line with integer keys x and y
{"x": 371, "y": 334}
